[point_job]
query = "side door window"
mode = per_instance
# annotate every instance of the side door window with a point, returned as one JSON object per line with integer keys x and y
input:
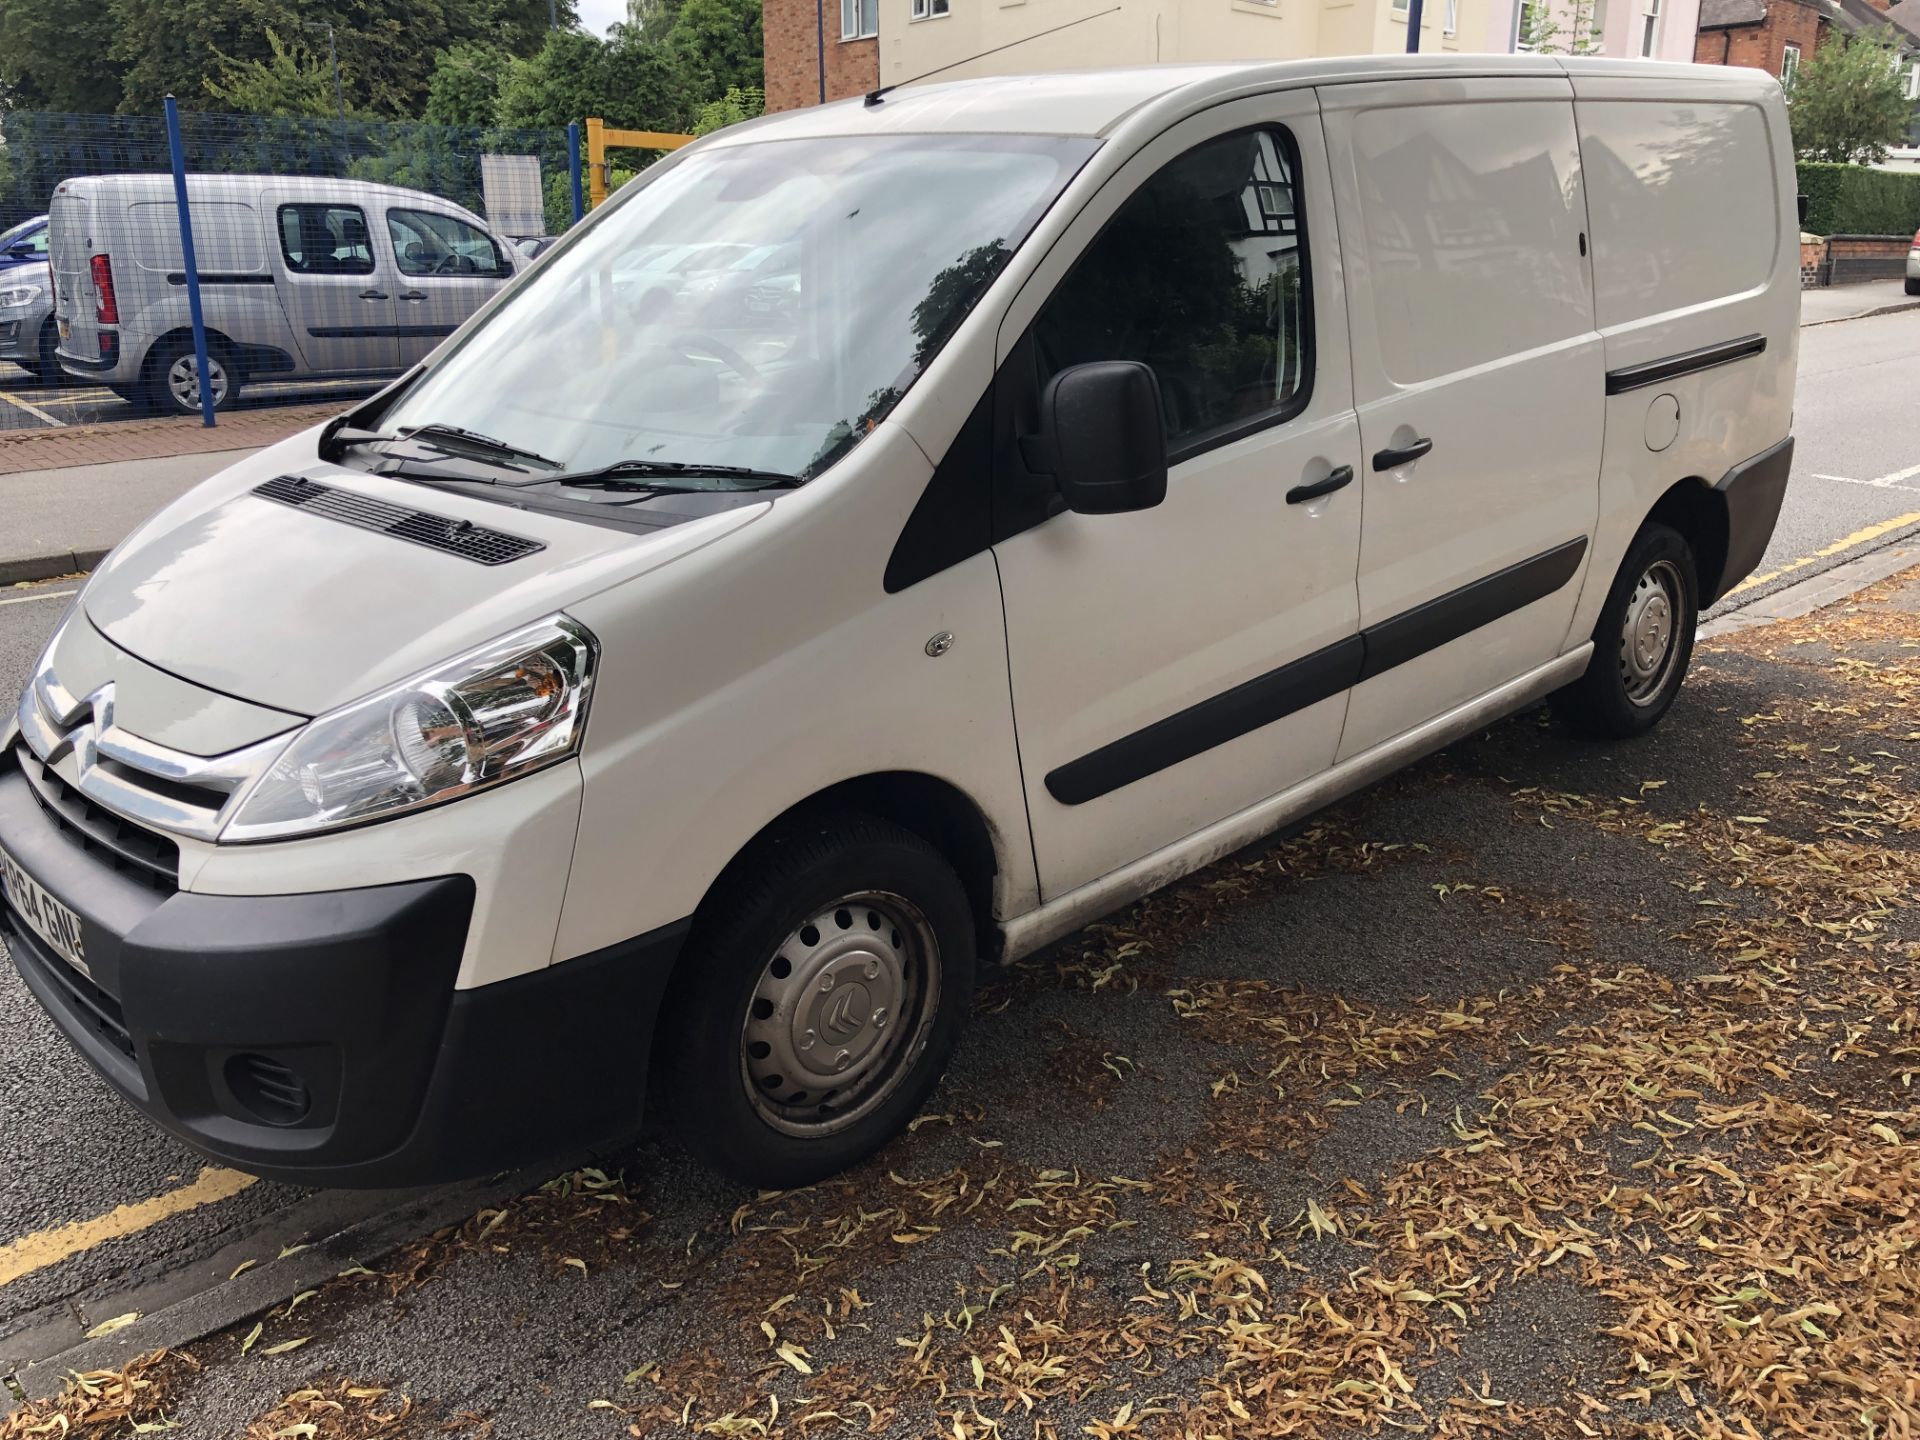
{"x": 325, "y": 240}
{"x": 1202, "y": 276}
{"x": 425, "y": 243}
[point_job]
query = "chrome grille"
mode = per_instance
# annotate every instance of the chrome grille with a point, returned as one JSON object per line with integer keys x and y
{"x": 149, "y": 857}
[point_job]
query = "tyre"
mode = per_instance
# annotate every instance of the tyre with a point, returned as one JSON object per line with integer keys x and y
{"x": 48, "y": 368}
{"x": 1642, "y": 643}
{"x": 1913, "y": 286}
{"x": 817, "y": 1002}
{"x": 173, "y": 378}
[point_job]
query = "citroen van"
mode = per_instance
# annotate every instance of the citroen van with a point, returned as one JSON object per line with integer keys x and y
{"x": 653, "y": 695}
{"x": 299, "y": 279}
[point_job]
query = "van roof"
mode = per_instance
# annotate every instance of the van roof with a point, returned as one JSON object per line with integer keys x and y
{"x": 1094, "y": 102}
{"x": 213, "y": 185}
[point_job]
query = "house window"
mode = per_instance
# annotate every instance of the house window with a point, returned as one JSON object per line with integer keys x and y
{"x": 1399, "y": 7}
{"x": 859, "y": 19}
{"x": 1527, "y": 16}
{"x": 1789, "y": 66}
{"x": 1453, "y": 17}
{"x": 930, "y": 9}
{"x": 1650, "y": 31}
{"x": 1913, "y": 82}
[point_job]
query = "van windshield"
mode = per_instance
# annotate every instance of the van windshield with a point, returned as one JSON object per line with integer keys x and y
{"x": 758, "y": 306}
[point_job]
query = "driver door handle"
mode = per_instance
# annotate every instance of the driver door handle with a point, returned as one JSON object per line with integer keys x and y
{"x": 1336, "y": 479}
{"x": 1401, "y": 455}
{"x": 373, "y": 295}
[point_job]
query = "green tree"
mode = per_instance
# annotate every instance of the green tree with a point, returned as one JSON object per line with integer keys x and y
{"x": 652, "y": 19}
{"x": 291, "y": 81}
{"x": 730, "y": 109}
{"x": 465, "y": 86}
{"x": 716, "y": 46}
{"x": 175, "y": 46}
{"x": 624, "y": 82}
{"x": 1849, "y": 101}
{"x": 55, "y": 56}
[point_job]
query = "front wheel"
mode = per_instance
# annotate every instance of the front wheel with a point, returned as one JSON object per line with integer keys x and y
{"x": 1642, "y": 643}
{"x": 817, "y": 1002}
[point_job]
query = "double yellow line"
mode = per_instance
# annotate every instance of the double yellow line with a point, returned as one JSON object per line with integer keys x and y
{"x": 1827, "y": 552}
{"x": 49, "y": 1247}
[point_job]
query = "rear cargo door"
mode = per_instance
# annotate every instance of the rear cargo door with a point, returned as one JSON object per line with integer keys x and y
{"x": 70, "y": 248}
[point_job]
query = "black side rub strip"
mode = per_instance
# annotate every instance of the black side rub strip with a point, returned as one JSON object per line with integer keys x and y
{"x": 1657, "y": 372}
{"x": 1313, "y": 678}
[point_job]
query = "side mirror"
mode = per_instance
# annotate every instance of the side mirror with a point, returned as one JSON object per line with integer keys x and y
{"x": 23, "y": 251}
{"x": 1102, "y": 437}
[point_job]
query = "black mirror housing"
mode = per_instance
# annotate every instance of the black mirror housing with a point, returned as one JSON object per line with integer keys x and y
{"x": 1103, "y": 437}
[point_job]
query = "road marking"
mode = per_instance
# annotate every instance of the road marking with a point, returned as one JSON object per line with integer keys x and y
{"x": 50, "y": 1247}
{"x": 45, "y": 595}
{"x": 1858, "y": 537}
{"x": 33, "y": 410}
{"x": 1880, "y": 482}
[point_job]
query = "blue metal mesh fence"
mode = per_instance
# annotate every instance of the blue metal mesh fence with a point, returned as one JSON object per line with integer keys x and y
{"x": 324, "y": 248}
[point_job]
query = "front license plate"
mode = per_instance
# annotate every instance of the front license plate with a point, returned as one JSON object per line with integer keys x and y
{"x": 53, "y": 922}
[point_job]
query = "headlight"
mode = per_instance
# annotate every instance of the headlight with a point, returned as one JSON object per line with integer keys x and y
{"x": 15, "y": 296}
{"x": 504, "y": 710}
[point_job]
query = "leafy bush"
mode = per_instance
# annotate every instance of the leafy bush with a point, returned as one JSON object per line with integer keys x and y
{"x": 1854, "y": 200}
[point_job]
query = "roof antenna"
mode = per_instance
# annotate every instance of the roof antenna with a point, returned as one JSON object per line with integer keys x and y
{"x": 874, "y": 97}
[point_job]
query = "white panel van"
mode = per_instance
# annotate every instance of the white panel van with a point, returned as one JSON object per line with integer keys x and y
{"x": 299, "y": 278}
{"x": 696, "y": 681}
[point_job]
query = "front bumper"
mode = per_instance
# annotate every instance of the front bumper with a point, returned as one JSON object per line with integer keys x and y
{"x": 318, "y": 1039}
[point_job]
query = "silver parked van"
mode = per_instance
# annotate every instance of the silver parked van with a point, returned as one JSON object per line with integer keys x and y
{"x": 299, "y": 278}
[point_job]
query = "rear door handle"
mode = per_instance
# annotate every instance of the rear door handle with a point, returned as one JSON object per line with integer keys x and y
{"x": 373, "y": 295}
{"x": 1389, "y": 458}
{"x": 413, "y": 294}
{"x": 1336, "y": 479}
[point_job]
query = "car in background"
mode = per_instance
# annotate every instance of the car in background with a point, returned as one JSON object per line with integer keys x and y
{"x": 27, "y": 332}
{"x": 300, "y": 278}
{"x": 1913, "y": 266}
{"x": 534, "y": 246}
{"x": 24, "y": 244}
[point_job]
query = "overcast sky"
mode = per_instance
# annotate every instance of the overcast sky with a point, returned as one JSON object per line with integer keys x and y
{"x": 597, "y": 15}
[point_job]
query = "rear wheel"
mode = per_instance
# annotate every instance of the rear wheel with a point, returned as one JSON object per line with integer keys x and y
{"x": 173, "y": 376}
{"x": 818, "y": 1000}
{"x": 1642, "y": 643}
{"x": 49, "y": 366}
{"x": 1913, "y": 286}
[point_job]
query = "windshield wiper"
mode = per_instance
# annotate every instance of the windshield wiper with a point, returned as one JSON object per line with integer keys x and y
{"x": 473, "y": 440}
{"x": 647, "y": 475}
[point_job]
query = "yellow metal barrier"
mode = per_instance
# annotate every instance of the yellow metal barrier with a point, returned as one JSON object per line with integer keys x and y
{"x": 600, "y": 136}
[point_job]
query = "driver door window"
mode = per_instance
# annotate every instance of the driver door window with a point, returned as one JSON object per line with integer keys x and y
{"x": 429, "y": 244}
{"x": 1200, "y": 275}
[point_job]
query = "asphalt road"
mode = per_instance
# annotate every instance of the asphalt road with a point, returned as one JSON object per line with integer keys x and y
{"x": 71, "y": 1152}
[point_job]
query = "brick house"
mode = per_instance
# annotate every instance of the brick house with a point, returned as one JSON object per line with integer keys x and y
{"x": 1776, "y": 35}
{"x": 820, "y": 50}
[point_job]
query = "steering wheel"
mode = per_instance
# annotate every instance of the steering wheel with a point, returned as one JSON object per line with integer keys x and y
{"x": 726, "y": 354}
{"x": 449, "y": 263}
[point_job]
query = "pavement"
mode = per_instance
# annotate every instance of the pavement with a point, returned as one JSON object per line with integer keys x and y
{"x": 1851, "y": 302}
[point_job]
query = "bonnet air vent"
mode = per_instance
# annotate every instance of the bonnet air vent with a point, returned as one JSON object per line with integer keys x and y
{"x": 436, "y": 532}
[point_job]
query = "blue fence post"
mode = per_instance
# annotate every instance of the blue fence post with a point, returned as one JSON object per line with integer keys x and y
{"x": 573, "y": 167}
{"x": 187, "y": 262}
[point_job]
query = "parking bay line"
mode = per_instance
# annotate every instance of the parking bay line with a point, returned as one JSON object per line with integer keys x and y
{"x": 44, "y": 595}
{"x": 49, "y": 1247}
{"x": 1827, "y": 552}
{"x": 33, "y": 410}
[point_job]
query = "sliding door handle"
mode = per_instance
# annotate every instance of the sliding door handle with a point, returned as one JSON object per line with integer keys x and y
{"x": 373, "y": 295}
{"x": 1401, "y": 454}
{"x": 1336, "y": 479}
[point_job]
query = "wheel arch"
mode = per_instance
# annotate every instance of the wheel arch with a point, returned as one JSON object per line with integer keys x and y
{"x": 1699, "y": 512}
{"x": 938, "y": 811}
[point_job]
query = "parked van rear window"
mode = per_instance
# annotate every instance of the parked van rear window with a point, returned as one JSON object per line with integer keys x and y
{"x": 1478, "y": 204}
{"x": 226, "y": 237}
{"x": 1683, "y": 204}
{"x": 325, "y": 240}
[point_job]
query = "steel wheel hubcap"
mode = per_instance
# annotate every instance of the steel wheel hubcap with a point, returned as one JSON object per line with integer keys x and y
{"x": 183, "y": 379}
{"x": 839, "y": 1014}
{"x": 1649, "y": 637}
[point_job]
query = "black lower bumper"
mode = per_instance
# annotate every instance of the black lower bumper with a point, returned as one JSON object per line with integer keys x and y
{"x": 1752, "y": 492}
{"x": 318, "y": 1039}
